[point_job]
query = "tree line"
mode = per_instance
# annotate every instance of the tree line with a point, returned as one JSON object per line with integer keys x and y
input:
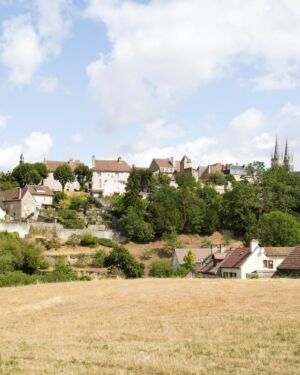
{"x": 265, "y": 205}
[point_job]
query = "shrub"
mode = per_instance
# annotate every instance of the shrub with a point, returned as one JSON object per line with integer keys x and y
{"x": 122, "y": 259}
{"x": 72, "y": 223}
{"x": 171, "y": 242}
{"x": 99, "y": 259}
{"x": 207, "y": 242}
{"x": 49, "y": 244}
{"x": 161, "y": 268}
{"x": 59, "y": 196}
{"x": 88, "y": 240}
{"x": 106, "y": 242}
{"x": 74, "y": 240}
{"x": 82, "y": 260}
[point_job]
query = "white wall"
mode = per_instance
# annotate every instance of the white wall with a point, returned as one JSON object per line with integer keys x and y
{"x": 56, "y": 185}
{"x": 110, "y": 182}
{"x": 43, "y": 200}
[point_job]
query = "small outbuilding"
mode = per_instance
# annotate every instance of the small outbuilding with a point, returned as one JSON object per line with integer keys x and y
{"x": 291, "y": 265}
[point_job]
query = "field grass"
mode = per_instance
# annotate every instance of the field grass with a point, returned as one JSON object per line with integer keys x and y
{"x": 178, "y": 327}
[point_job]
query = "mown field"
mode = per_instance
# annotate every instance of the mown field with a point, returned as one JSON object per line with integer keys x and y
{"x": 150, "y": 326}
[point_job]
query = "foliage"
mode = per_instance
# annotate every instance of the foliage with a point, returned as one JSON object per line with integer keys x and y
{"x": 278, "y": 229}
{"x": 227, "y": 237}
{"x": 26, "y": 174}
{"x": 99, "y": 258}
{"x": 185, "y": 179}
{"x": 58, "y": 197}
{"x": 74, "y": 240}
{"x": 206, "y": 242}
{"x": 135, "y": 227}
{"x": 84, "y": 175}
{"x": 106, "y": 242}
{"x": 88, "y": 240}
{"x": 41, "y": 169}
{"x": 72, "y": 223}
{"x": 64, "y": 174}
{"x": 52, "y": 243}
{"x": 217, "y": 178}
{"x": 161, "y": 268}
{"x": 121, "y": 258}
{"x": 79, "y": 202}
{"x": 189, "y": 260}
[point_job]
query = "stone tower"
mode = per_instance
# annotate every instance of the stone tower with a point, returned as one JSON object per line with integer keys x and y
{"x": 276, "y": 159}
{"x": 288, "y": 158}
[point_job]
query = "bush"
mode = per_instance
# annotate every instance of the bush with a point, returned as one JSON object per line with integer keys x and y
{"x": 49, "y": 244}
{"x": 161, "y": 268}
{"x": 59, "y": 196}
{"x": 74, "y": 240}
{"x": 72, "y": 223}
{"x": 106, "y": 242}
{"x": 82, "y": 260}
{"x": 122, "y": 259}
{"x": 99, "y": 259}
{"x": 88, "y": 240}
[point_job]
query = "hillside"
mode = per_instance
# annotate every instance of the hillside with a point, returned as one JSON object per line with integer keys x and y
{"x": 151, "y": 327}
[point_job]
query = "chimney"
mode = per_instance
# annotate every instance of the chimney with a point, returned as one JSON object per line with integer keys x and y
{"x": 173, "y": 162}
{"x": 119, "y": 159}
{"x": 93, "y": 161}
{"x": 253, "y": 245}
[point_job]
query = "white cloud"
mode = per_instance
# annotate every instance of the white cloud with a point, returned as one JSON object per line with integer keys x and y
{"x": 163, "y": 51}
{"x": 249, "y": 136}
{"x": 48, "y": 84}
{"x": 26, "y": 44}
{"x": 35, "y": 147}
{"x": 3, "y": 121}
{"x": 76, "y": 138}
{"x": 272, "y": 82}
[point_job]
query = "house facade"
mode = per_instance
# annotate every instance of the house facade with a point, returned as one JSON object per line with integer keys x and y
{"x": 55, "y": 185}
{"x": 22, "y": 203}
{"x": 109, "y": 177}
{"x": 241, "y": 263}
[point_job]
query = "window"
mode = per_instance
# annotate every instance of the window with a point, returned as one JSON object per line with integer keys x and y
{"x": 269, "y": 264}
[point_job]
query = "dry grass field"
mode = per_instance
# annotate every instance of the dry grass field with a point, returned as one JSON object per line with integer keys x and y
{"x": 178, "y": 327}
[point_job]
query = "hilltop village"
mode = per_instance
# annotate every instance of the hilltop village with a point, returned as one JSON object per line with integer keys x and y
{"x": 168, "y": 219}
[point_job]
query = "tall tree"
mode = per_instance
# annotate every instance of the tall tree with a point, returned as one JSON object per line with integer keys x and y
{"x": 64, "y": 174}
{"x": 26, "y": 174}
{"x": 84, "y": 175}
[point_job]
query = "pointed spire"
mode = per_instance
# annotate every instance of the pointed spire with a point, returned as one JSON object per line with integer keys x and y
{"x": 277, "y": 150}
{"x": 22, "y": 159}
{"x": 287, "y": 152}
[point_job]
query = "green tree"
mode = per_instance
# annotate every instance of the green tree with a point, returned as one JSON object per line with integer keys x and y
{"x": 217, "y": 178}
{"x": 135, "y": 227}
{"x": 26, "y": 174}
{"x": 161, "y": 268}
{"x": 278, "y": 229}
{"x": 84, "y": 175}
{"x": 41, "y": 169}
{"x": 64, "y": 174}
{"x": 121, "y": 258}
{"x": 213, "y": 205}
{"x": 189, "y": 260}
{"x": 185, "y": 179}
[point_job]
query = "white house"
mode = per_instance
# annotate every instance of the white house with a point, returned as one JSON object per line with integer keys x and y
{"x": 56, "y": 185}
{"x": 241, "y": 263}
{"x": 109, "y": 176}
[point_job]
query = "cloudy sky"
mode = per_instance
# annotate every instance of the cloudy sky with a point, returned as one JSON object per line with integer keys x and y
{"x": 213, "y": 79}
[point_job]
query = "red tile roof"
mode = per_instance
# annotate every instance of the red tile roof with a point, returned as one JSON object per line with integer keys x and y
{"x": 236, "y": 258}
{"x": 292, "y": 261}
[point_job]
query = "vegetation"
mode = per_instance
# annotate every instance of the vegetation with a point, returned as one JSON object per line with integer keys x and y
{"x": 64, "y": 174}
{"x": 161, "y": 268}
{"x": 196, "y": 209}
{"x": 29, "y": 174}
{"x": 84, "y": 176}
{"x": 120, "y": 258}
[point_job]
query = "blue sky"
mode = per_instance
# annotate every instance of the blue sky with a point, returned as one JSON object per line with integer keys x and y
{"x": 145, "y": 79}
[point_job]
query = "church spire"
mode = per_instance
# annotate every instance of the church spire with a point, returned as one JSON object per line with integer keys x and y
{"x": 288, "y": 158}
{"x": 276, "y": 158}
{"x": 286, "y": 153}
{"x": 22, "y": 159}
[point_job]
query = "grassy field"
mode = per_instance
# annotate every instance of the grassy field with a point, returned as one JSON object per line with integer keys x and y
{"x": 149, "y": 327}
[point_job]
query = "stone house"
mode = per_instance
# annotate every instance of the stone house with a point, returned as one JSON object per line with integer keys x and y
{"x": 22, "y": 203}
{"x": 241, "y": 263}
{"x": 109, "y": 176}
{"x": 56, "y": 185}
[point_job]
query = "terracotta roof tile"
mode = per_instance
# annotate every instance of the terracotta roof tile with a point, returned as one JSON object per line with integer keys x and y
{"x": 236, "y": 258}
{"x": 292, "y": 261}
{"x": 278, "y": 251}
{"x": 53, "y": 164}
{"x": 199, "y": 254}
{"x": 111, "y": 166}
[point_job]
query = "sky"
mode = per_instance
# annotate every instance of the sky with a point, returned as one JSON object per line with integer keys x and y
{"x": 216, "y": 80}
